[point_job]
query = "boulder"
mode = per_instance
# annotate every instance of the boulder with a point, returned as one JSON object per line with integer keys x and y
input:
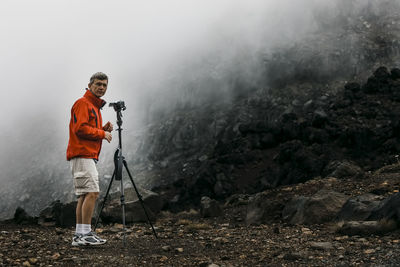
{"x": 395, "y": 73}
{"x": 382, "y": 73}
{"x": 209, "y": 207}
{"x": 261, "y": 208}
{"x": 322, "y": 207}
{"x": 342, "y": 169}
{"x": 379, "y": 82}
{"x": 359, "y": 208}
{"x": 21, "y": 217}
{"x": 134, "y": 211}
{"x": 387, "y": 209}
{"x": 61, "y": 214}
{"x": 295, "y": 163}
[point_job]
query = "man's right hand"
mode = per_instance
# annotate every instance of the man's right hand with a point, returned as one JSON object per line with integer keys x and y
{"x": 108, "y": 136}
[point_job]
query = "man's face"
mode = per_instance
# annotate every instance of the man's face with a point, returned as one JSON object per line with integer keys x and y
{"x": 98, "y": 87}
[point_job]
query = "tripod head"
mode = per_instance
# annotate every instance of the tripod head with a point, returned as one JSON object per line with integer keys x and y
{"x": 118, "y": 107}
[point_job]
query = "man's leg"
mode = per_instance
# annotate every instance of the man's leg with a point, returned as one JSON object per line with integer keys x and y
{"x": 88, "y": 207}
{"x": 78, "y": 213}
{"x": 79, "y": 209}
{"x": 89, "y": 238}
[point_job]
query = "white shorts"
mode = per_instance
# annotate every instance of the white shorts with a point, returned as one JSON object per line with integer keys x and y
{"x": 86, "y": 177}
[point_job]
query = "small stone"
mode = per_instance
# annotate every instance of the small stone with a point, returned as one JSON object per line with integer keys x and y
{"x": 369, "y": 251}
{"x": 322, "y": 245}
{"x": 33, "y": 260}
{"x": 344, "y": 237}
{"x": 163, "y": 258}
{"x": 166, "y": 248}
{"x": 203, "y": 158}
{"x": 56, "y": 256}
{"x": 180, "y": 250}
{"x": 119, "y": 226}
{"x": 26, "y": 263}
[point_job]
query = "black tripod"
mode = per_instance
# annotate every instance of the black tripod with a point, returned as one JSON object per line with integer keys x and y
{"x": 120, "y": 161}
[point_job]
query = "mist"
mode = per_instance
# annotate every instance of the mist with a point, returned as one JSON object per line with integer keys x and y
{"x": 156, "y": 54}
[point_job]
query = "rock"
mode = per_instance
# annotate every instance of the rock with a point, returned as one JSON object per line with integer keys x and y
{"x": 209, "y": 207}
{"x": 382, "y": 73}
{"x": 222, "y": 186}
{"x": 293, "y": 256}
{"x": 353, "y": 87}
{"x": 166, "y": 248}
{"x": 33, "y": 260}
{"x": 293, "y": 210}
{"x": 55, "y": 256}
{"x": 379, "y": 82}
{"x": 342, "y": 169}
{"x": 389, "y": 209}
{"x": 309, "y": 105}
{"x": 61, "y": 214}
{"x": 395, "y": 73}
{"x": 237, "y": 200}
{"x": 321, "y": 245}
{"x": 319, "y": 208}
{"x": 259, "y": 209}
{"x": 301, "y": 160}
{"x": 319, "y": 118}
{"x": 134, "y": 212}
{"x": 179, "y": 250}
{"x": 359, "y": 208}
{"x": 366, "y": 228}
{"x": 21, "y": 217}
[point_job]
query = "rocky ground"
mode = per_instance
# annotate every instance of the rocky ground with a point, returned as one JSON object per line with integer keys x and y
{"x": 187, "y": 239}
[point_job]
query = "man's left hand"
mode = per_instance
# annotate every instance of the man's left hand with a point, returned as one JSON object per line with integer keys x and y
{"x": 108, "y": 127}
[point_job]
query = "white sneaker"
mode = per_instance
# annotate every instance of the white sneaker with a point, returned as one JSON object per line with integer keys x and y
{"x": 90, "y": 239}
{"x": 75, "y": 239}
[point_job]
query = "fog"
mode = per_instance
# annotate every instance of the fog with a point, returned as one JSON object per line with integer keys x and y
{"x": 152, "y": 51}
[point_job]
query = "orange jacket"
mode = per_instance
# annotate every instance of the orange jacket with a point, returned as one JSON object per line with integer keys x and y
{"x": 86, "y": 132}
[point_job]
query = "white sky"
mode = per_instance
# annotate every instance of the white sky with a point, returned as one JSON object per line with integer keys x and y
{"x": 49, "y": 49}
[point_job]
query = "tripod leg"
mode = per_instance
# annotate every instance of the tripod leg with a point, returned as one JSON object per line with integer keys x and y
{"x": 140, "y": 198}
{"x": 123, "y": 210}
{"x": 104, "y": 201}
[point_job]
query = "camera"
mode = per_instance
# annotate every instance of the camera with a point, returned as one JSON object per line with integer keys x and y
{"x": 118, "y": 106}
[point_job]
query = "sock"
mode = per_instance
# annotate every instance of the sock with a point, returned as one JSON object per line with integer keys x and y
{"x": 78, "y": 229}
{"x": 86, "y": 228}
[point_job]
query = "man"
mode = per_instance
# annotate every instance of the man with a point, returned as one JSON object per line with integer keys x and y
{"x": 86, "y": 134}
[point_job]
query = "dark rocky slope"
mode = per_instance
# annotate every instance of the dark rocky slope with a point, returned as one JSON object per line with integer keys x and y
{"x": 260, "y": 144}
{"x": 321, "y": 103}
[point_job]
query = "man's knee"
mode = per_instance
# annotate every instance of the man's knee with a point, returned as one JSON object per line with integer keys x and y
{"x": 92, "y": 195}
